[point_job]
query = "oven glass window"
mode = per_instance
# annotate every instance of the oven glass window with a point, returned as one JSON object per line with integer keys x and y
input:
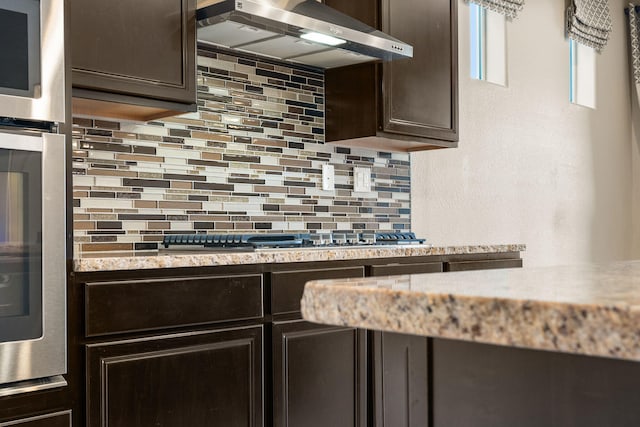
{"x": 20, "y": 245}
{"x": 20, "y": 52}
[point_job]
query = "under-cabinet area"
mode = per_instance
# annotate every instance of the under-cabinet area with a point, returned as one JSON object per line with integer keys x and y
{"x": 188, "y": 345}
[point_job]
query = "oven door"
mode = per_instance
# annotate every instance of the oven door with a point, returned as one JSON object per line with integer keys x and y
{"x": 32, "y": 59}
{"x": 32, "y": 262}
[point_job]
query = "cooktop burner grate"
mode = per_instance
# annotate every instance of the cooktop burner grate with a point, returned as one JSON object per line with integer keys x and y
{"x": 294, "y": 240}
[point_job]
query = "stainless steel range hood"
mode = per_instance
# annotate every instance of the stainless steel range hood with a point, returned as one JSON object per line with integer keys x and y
{"x": 301, "y": 31}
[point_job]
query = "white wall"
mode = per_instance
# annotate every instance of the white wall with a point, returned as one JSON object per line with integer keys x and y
{"x": 532, "y": 168}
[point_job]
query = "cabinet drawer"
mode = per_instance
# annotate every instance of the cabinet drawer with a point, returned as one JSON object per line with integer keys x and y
{"x": 287, "y": 286}
{"x": 59, "y": 419}
{"x": 483, "y": 265}
{"x": 117, "y": 307}
{"x": 396, "y": 269}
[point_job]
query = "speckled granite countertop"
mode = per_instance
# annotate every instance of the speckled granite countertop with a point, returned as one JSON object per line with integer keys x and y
{"x": 200, "y": 259}
{"x": 587, "y": 309}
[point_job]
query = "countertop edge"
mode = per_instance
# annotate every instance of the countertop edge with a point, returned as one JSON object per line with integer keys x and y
{"x": 200, "y": 259}
{"x": 604, "y": 330}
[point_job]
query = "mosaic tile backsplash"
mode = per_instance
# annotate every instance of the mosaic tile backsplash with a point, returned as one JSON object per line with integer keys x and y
{"x": 250, "y": 160}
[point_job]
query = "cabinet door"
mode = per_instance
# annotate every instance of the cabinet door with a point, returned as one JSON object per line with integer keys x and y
{"x": 421, "y": 94}
{"x": 144, "y": 48}
{"x": 400, "y": 366}
{"x": 319, "y": 376}
{"x": 401, "y": 388}
{"x": 196, "y": 379}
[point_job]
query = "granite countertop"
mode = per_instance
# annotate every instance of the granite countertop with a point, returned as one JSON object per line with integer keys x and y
{"x": 587, "y": 309}
{"x": 201, "y": 259}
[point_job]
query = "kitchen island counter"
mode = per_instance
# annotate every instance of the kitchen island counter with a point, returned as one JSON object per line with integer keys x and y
{"x": 117, "y": 262}
{"x": 551, "y": 347}
{"x": 588, "y": 309}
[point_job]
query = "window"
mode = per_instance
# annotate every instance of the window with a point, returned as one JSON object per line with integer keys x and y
{"x": 582, "y": 77}
{"x": 488, "y": 45}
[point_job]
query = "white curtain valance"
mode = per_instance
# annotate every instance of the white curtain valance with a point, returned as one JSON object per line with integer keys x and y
{"x": 589, "y": 22}
{"x": 509, "y": 8}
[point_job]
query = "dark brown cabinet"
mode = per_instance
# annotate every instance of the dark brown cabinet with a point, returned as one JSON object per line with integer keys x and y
{"x": 133, "y": 58}
{"x": 58, "y": 419}
{"x": 196, "y": 379}
{"x": 406, "y": 105}
{"x": 319, "y": 376}
{"x": 400, "y": 362}
{"x": 226, "y": 345}
{"x": 173, "y": 351}
{"x": 319, "y": 372}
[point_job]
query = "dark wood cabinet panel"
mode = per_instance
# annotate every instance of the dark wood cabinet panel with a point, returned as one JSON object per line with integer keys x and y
{"x": 116, "y": 307}
{"x": 401, "y": 380}
{"x": 351, "y": 101}
{"x": 482, "y": 265}
{"x": 401, "y": 387}
{"x": 319, "y": 376}
{"x": 193, "y": 380}
{"x": 499, "y": 386}
{"x": 134, "y": 48}
{"x": 287, "y": 286}
{"x": 396, "y": 269}
{"x": 408, "y": 104}
{"x": 421, "y": 93}
{"x": 400, "y": 366}
{"x": 58, "y": 419}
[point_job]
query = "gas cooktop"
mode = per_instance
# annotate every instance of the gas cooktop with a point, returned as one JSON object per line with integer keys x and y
{"x": 268, "y": 241}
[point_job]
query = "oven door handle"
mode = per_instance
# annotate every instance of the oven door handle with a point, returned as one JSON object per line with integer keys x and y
{"x": 32, "y": 385}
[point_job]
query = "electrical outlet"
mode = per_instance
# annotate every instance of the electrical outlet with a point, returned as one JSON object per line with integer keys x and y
{"x": 328, "y": 178}
{"x": 361, "y": 180}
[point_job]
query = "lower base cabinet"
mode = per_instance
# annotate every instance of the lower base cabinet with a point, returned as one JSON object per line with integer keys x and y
{"x": 320, "y": 376}
{"x": 142, "y": 372}
{"x": 196, "y": 379}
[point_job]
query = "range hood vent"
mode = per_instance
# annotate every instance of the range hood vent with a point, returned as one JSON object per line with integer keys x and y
{"x": 301, "y": 31}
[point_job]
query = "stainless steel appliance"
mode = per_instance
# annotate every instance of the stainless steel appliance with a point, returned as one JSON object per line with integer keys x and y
{"x": 304, "y": 240}
{"x": 32, "y": 196}
{"x": 32, "y": 261}
{"x": 302, "y": 31}
{"x": 32, "y": 60}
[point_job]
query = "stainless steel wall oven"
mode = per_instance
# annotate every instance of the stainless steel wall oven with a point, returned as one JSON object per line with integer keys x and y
{"x": 32, "y": 196}
{"x": 32, "y": 60}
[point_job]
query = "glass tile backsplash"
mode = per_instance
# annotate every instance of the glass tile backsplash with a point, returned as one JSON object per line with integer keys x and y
{"x": 249, "y": 160}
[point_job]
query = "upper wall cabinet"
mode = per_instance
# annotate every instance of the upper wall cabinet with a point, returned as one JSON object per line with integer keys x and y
{"x": 405, "y": 105}
{"x": 133, "y": 58}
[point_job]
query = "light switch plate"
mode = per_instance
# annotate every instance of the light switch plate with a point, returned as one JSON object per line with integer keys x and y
{"x": 361, "y": 180}
{"x": 328, "y": 178}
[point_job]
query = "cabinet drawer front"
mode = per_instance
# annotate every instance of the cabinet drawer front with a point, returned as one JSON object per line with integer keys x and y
{"x": 59, "y": 419}
{"x": 287, "y": 287}
{"x": 116, "y": 307}
{"x": 396, "y": 269}
{"x": 483, "y": 265}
